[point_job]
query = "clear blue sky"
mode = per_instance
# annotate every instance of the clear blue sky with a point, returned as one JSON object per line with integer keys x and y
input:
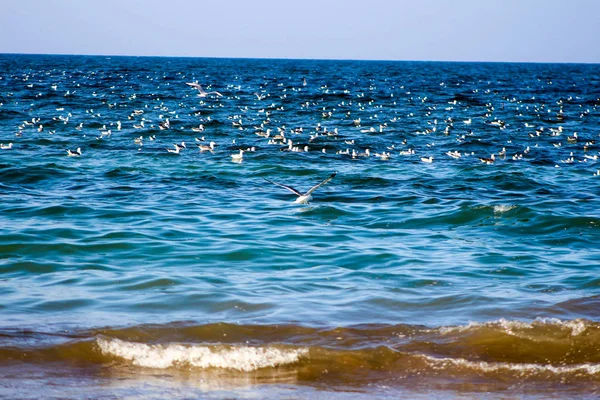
{"x": 453, "y": 30}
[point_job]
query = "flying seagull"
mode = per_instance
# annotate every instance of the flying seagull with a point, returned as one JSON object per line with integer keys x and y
{"x": 306, "y": 197}
{"x": 195, "y": 85}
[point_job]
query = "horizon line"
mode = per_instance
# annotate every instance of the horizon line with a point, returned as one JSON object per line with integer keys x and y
{"x": 299, "y": 59}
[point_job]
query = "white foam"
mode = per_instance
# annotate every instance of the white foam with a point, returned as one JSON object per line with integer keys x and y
{"x": 484, "y": 366}
{"x": 506, "y": 325}
{"x": 241, "y": 358}
{"x": 577, "y": 326}
{"x": 502, "y": 208}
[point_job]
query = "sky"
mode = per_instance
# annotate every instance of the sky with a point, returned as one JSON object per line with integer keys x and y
{"x": 430, "y": 30}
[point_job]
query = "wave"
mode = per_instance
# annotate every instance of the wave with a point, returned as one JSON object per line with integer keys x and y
{"x": 512, "y": 327}
{"x": 520, "y": 368}
{"x": 241, "y": 358}
{"x": 538, "y": 350}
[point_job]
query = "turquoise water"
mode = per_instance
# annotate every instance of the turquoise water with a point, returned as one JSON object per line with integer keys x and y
{"x": 457, "y": 271}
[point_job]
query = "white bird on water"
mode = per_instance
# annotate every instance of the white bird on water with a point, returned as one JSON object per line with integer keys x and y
{"x": 75, "y": 153}
{"x": 163, "y": 125}
{"x": 200, "y": 128}
{"x": 177, "y": 149}
{"x": 238, "y": 157}
{"x": 204, "y": 147}
{"x": 202, "y": 93}
{"x": 303, "y": 198}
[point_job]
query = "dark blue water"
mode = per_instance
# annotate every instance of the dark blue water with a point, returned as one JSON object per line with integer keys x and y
{"x": 455, "y": 269}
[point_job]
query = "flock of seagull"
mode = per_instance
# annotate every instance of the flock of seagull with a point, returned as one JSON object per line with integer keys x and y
{"x": 336, "y": 131}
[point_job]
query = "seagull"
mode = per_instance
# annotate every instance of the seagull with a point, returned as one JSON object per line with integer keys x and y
{"x": 75, "y": 153}
{"x": 488, "y": 161}
{"x": 306, "y": 197}
{"x": 237, "y": 157}
{"x": 6, "y": 146}
{"x": 202, "y": 93}
{"x": 200, "y": 128}
{"x": 204, "y": 148}
{"x": 177, "y": 149}
{"x": 163, "y": 125}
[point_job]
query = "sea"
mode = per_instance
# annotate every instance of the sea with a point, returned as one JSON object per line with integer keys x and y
{"x": 152, "y": 245}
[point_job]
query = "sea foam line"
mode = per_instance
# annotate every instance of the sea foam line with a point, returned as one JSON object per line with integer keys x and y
{"x": 576, "y": 326}
{"x": 241, "y": 358}
{"x": 484, "y": 366}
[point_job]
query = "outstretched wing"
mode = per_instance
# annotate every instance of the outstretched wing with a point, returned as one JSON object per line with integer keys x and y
{"x": 195, "y": 85}
{"x": 312, "y": 189}
{"x": 217, "y": 93}
{"x": 291, "y": 189}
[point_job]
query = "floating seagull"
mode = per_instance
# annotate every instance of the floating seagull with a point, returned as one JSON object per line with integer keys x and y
{"x": 6, "y": 146}
{"x": 237, "y": 157}
{"x": 163, "y": 125}
{"x": 488, "y": 161}
{"x": 75, "y": 153}
{"x": 306, "y": 197}
{"x": 177, "y": 149}
{"x": 200, "y": 128}
{"x": 202, "y": 93}
{"x": 210, "y": 147}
